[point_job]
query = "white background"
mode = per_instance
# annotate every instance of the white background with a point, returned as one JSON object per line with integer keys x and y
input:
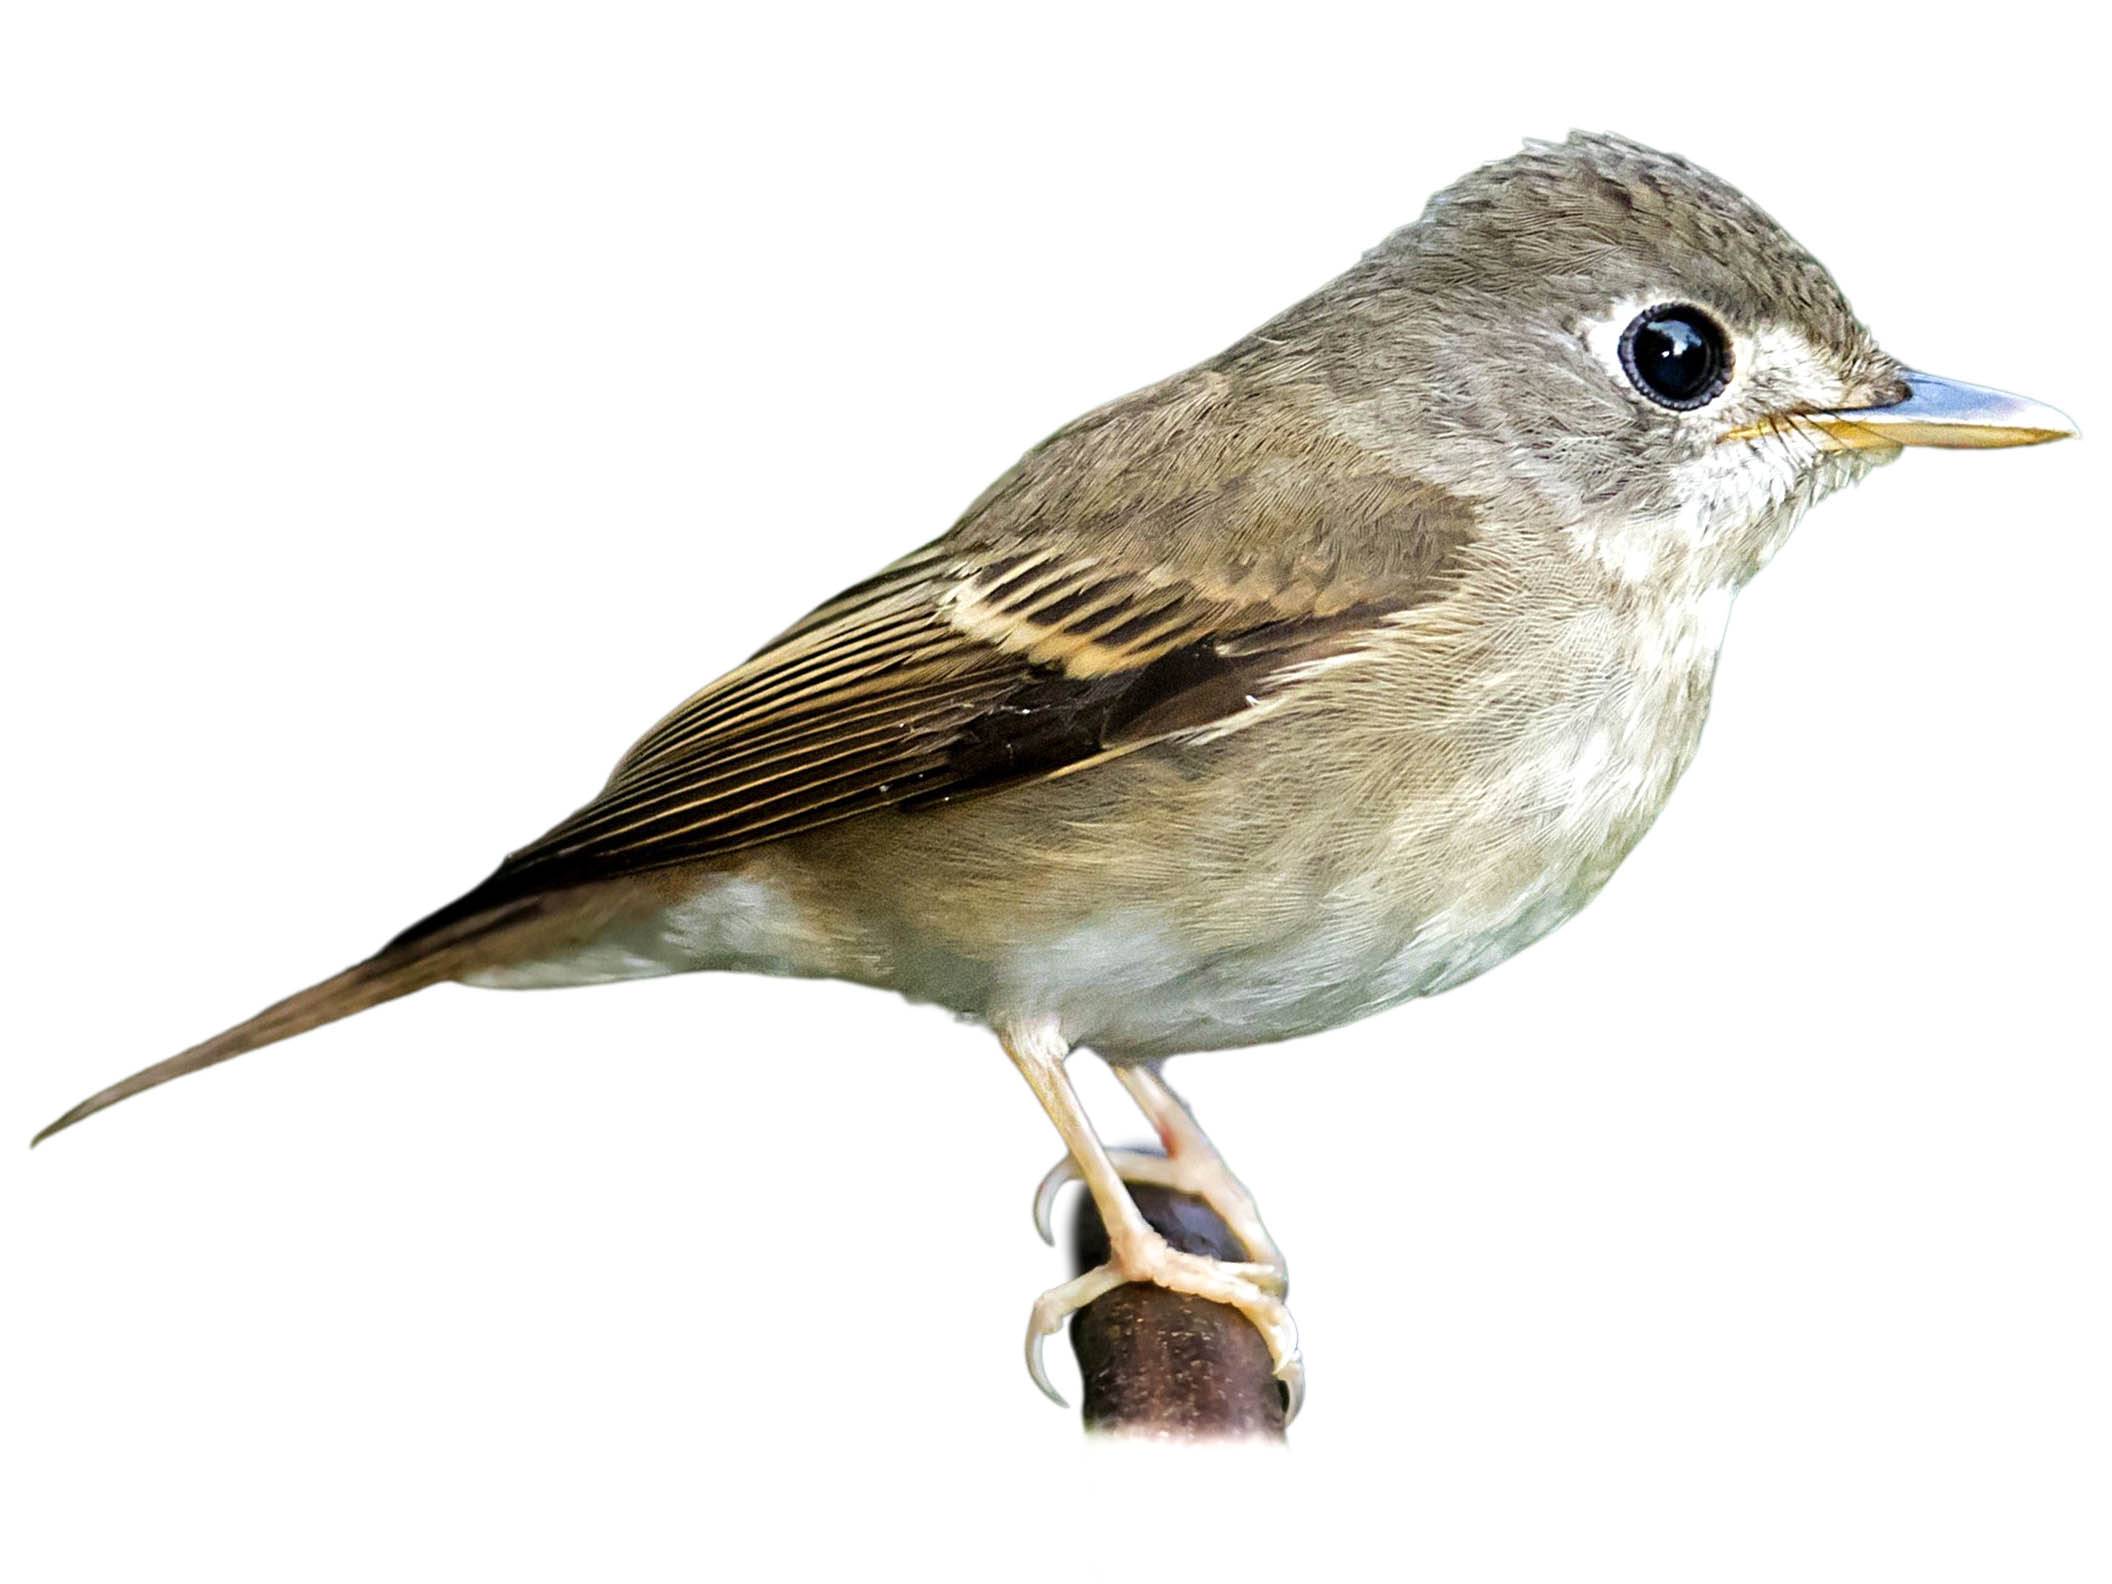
{"x": 403, "y": 405}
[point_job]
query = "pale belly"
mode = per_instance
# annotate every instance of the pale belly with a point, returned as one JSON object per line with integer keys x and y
{"x": 1123, "y": 987}
{"x": 1142, "y": 962}
{"x": 1132, "y": 980}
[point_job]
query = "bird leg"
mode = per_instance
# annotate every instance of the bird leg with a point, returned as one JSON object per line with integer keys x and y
{"x": 1137, "y": 1253}
{"x": 1191, "y": 1165}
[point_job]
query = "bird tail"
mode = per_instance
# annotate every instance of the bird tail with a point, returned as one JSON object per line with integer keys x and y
{"x": 397, "y": 970}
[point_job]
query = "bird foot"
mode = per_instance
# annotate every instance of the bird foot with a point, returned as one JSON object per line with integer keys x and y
{"x": 1200, "y": 1177}
{"x": 1252, "y": 1289}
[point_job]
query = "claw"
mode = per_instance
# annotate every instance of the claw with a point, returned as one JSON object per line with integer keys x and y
{"x": 1292, "y": 1373}
{"x": 1039, "y": 1370}
{"x": 1060, "y": 1175}
{"x": 1055, "y": 1306}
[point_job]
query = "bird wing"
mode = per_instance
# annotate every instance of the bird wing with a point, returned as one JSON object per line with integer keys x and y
{"x": 1025, "y": 644}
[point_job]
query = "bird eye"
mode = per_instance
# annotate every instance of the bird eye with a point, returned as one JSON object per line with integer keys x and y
{"x": 1677, "y": 355}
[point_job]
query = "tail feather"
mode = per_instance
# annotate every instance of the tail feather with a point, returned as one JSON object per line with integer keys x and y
{"x": 398, "y": 970}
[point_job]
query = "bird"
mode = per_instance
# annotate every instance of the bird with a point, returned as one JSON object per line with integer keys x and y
{"x": 1319, "y": 677}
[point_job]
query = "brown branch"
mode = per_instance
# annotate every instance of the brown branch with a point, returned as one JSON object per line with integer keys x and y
{"x": 1163, "y": 1364}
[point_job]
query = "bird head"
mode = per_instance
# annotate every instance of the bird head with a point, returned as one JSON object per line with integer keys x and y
{"x": 1608, "y": 338}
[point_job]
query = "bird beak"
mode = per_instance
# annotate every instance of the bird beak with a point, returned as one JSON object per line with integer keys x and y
{"x": 1941, "y": 412}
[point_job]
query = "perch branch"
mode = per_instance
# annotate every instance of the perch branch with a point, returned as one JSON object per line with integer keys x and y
{"x": 1162, "y": 1364}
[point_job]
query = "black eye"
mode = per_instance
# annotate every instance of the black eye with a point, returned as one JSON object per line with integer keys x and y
{"x": 1678, "y": 356}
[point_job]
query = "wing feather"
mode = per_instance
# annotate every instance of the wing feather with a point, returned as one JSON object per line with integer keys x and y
{"x": 1054, "y": 629}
